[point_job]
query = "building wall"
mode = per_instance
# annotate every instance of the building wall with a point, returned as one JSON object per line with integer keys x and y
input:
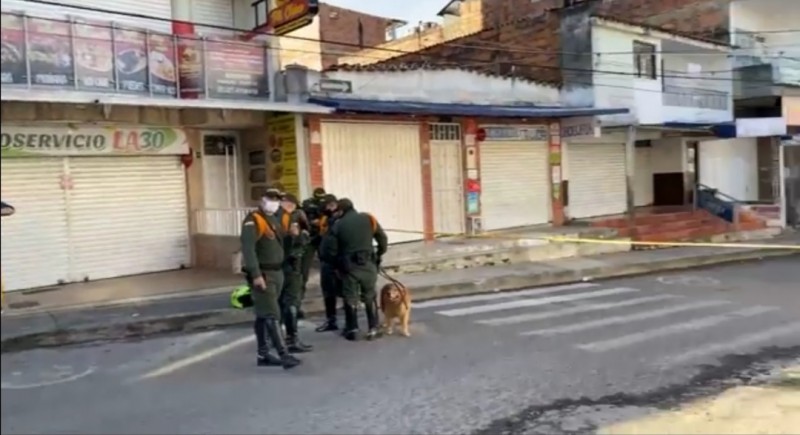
{"x": 453, "y": 86}
{"x": 342, "y": 25}
{"x": 764, "y": 16}
{"x": 306, "y": 52}
{"x": 530, "y": 50}
{"x": 667, "y": 156}
{"x": 615, "y": 83}
{"x": 730, "y": 166}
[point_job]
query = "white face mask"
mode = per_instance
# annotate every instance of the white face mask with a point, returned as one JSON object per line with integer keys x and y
{"x": 270, "y": 206}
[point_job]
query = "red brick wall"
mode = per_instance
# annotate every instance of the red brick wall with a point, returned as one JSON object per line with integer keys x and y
{"x": 315, "y": 152}
{"x": 341, "y": 25}
{"x": 529, "y": 49}
{"x": 694, "y": 16}
{"x": 428, "y": 230}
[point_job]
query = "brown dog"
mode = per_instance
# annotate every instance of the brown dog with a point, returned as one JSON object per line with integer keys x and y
{"x": 396, "y": 304}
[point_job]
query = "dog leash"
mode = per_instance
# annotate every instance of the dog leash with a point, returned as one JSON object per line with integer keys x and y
{"x": 382, "y": 272}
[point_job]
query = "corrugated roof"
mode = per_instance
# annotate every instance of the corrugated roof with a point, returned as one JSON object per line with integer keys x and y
{"x": 457, "y": 109}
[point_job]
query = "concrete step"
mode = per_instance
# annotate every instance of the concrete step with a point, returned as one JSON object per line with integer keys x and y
{"x": 650, "y": 219}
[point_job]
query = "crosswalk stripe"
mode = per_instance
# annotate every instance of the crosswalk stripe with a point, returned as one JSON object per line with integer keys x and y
{"x": 694, "y": 325}
{"x": 625, "y": 319}
{"x": 529, "y": 317}
{"x": 534, "y": 302}
{"x": 504, "y": 295}
{"x": 734, "y": 345}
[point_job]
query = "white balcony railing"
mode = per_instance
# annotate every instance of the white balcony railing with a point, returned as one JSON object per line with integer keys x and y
{"x": 679, "y": 96}
{"x": 220, "y": 222}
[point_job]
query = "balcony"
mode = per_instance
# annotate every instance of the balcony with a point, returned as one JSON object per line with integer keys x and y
{"x": 766, "y": 79}
{"x": 94, "y": 57}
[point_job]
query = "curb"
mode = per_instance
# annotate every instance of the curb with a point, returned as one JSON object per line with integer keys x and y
{"x": 225, "y": 317}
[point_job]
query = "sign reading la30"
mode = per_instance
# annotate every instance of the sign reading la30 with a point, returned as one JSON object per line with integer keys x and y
{"x": 84, "y": 141}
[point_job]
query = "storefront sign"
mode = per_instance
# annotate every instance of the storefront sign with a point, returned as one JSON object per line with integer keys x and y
{"x": 87, "y": 141}
{"x": 791, "y": 110}
{"x": 515, "y": 133}
{"x": 289, "y": 15}
{"x": 236, "y": 69}
{"x": 580, "y": 127}
{"x": 282, "y": 154}
{"x": 88, "y": 55}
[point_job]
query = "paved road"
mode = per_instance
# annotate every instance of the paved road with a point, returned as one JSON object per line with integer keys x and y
{"x": 553, "y": 360}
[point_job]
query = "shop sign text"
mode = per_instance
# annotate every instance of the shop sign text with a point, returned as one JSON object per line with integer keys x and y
{"x": 56, "y": 141}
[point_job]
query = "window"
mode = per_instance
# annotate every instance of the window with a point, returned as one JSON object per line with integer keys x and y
{"x": 644, "y": 60}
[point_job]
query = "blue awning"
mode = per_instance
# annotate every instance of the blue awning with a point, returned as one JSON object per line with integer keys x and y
{"x": 457, "y": 109}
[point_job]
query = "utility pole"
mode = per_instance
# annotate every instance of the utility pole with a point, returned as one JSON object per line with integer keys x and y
{"x": 630, "y": 172}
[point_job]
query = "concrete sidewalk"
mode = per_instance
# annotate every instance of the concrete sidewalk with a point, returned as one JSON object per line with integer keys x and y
{"x": 773, "y": 408}
{"x": 203, "y": 309}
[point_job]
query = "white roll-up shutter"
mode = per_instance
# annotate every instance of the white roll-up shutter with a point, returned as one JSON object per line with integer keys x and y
{"x": 212, "y": 13}
{"x": 127, "y": 12}
{"x": 378, "y": 167}
{"x": 35, "y": 240}
{"x": 643, "y": 176}
{"x": 514, "y": 184}
{"x": 597, "y": 180}
{"x": 128, "y": 216}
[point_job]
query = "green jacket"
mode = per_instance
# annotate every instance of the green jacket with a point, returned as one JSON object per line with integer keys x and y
{"x": 262, "y": 243}
{"x": 353, "y": 233}
{"x": 295, "y": 246}
{"x": 313, "y": 210}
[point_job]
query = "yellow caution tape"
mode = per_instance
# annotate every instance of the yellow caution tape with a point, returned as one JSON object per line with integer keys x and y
{"x": 562, "y": 239}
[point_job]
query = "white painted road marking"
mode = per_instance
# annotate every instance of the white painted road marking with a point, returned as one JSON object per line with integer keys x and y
{"x": 503, "y": 295}
{"x": 62, "y": 370}
{"x": 625, "y": 319}
{"x": 534, "y": 302}
{"x": 200, "y": 357}
{"x": 738, "y": 344}
{"x": 694, "y": 325}
{"x": 530, "y": 317}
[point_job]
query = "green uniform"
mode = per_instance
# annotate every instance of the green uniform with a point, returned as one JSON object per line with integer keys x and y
{"x": 263, "y": 255}
{"x": 357, "y": 263}
{"x": 328, "y": 278}
{"x": 295, "y": 248}
{"x": 312, "y": 207}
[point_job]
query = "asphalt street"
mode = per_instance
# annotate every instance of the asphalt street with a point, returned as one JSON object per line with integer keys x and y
{"x": 565, "y": 359}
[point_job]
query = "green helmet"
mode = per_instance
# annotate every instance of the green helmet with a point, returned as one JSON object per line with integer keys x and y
{"x": 241, "y": 298}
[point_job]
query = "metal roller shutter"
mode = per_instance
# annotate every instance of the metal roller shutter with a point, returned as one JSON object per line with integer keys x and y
{"x": 514, "y": 184}
{"x": 35, "y": 240}
{"x": 643, "y": 184}
{"x": 128, "y": 216}
{"x": 128, "y": 12}
{"x": 378, "y": 167}
{"x": 214, "y": 13}
{"x": 597, "y": 180}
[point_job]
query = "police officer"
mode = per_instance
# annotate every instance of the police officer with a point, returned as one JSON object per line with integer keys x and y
{"x": 263, "y": 257}
{"x": 328, "y": 276}
{"x": 295, "y": 245}
{"x": 357, "y": 263}
{"x": 313, "y": 208}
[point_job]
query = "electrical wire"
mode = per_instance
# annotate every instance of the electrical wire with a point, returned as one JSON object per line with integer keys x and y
{"x": 457, "y": 62}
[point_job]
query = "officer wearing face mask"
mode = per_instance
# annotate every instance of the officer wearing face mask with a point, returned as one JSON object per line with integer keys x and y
{"x": 296, "y": 242}
{"x": 357, "y": 263}
{"x": 328, "y": 278}
{"x": 263, "y": 256}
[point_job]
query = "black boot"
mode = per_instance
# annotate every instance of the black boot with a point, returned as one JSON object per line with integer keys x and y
{"x": 276, "y": 337}
{"x": 330, "y": 314}
{"x": 371, "y": 308}
{"x": 293, "y": 343}
{"x": 264, "y": 358}
{"x": 350, "y": 322}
